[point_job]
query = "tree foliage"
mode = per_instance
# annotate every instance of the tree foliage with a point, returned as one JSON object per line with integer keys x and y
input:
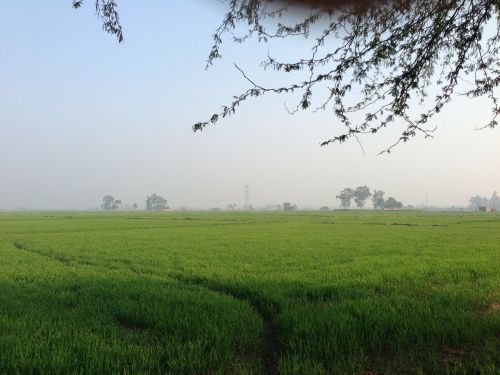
{"x": 155, "y": 203}
{"x": 361, "y": 194}
{"x": 378, "y": 199}
{"x": 370, "y": 62}
{"x": 495, "y": 201}
{"x": 110, "y": 203}
{"x": 107, "y": 11}
{"x": 478, "y": 201}
{"x": 345, "y": 197}
{"x": 287, "y": 206}
{"x": 392, "y": 203}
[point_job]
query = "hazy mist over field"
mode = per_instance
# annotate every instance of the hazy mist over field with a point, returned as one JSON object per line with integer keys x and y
{"x": 82, "y": 116}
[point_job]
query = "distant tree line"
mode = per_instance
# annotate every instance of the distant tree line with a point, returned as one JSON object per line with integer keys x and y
{"x": 361, "y": 195}
{"x": 154, "y": 202}
{"x": 286, "y": 206}
{"x": 493, "y": 201}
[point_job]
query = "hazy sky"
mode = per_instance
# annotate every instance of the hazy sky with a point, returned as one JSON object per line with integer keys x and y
{"x": 82, "y": 116}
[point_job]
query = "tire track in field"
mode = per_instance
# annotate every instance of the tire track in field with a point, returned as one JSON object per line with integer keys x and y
{"x": 21, "y": 246}
{"x": 58, "y": 257}
{"x": 116, "y": 266}
{"x": 263, "y": 308}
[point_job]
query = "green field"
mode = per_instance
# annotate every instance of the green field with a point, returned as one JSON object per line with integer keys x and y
{"x": 250, "y": 293}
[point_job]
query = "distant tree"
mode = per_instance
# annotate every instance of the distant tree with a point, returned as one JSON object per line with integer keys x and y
{"x": 478, "y": 201}
{"x": 392, "y": 203}
{"x": 155, "y": 203}
{"x": 231, "y": 207}
{"x": 361, "y": 194}
{"x": 495, "y": 201}
{"x": 135, "y": 206}
{"x": 345, "y": 197}
{"x": 287, "y": 206}
{"x": 324, "y": 208}
{"x": 110, "y": 203}
{"x": 107, "y": 202}
{"x": 378, "y": 199}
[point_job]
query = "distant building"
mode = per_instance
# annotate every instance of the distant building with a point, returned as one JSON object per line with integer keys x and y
{"x": 486, "y": 209}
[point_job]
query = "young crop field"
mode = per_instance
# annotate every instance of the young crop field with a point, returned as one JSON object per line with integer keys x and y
{"x": 352, "y": 292}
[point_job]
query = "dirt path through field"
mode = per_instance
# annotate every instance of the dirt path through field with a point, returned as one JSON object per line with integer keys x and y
{"x": 271, "y": 347}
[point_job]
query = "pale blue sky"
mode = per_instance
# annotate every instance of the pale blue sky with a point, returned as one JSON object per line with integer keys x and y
{"x": 82, "y": 116}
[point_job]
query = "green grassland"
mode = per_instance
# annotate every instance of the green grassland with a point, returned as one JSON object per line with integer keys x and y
{"x": 250, "y": 293}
